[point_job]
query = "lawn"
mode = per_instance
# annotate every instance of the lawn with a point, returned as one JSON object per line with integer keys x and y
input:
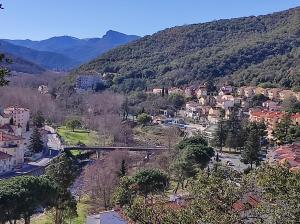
{"x": 81, "y": 219}
{"x": 79, "y": 135}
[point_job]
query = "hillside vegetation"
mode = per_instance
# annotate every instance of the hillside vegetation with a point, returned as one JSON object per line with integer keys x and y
{"x": 250, "y": 50}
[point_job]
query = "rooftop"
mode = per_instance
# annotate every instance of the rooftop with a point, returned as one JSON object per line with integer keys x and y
{"x": 4, "y": 156}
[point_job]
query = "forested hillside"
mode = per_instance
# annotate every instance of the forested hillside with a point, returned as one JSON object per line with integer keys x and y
{"x": 249, "y": 50}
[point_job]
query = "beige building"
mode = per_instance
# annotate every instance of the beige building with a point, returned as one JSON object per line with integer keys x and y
{"x": 214, "y": 115}
{"x": 273, "y": 93}
{"x": 249, "y": 92}
{"x": 12, "y": 145}
{"x": 157, "y": 91}
{"x": 7, "y": 162}
{"x": 175, "y": 90}
{"x": 207, "y": 101}
{"x": 285, "y": 94}
{"x": 260, "y": 90}
{"x": 19, "y": 115}
{"x": 202, "y": 91}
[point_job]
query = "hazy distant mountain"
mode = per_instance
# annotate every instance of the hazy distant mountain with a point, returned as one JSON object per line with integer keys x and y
{"x": 76, "y": 50}
{"x": 49, "y": 60}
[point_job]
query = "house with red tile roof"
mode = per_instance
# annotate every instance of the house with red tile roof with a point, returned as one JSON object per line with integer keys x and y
{"x": 271, "y": 118}
{"x": 286, "y": 154}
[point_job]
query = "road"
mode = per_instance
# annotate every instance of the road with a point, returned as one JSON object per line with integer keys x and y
{"x": 235, "y": 159}
{"x": 54, "y": 145}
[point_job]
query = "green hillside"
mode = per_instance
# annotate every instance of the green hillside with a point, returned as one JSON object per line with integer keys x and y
{"x": 249, "y": 50}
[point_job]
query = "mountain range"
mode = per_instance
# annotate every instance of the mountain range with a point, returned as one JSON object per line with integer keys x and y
{"x": 65, "y": 52}
{"x": 252, "y": 50}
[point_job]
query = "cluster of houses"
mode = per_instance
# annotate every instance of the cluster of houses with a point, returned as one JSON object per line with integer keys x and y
{"x": 208, "y": 108}
{"x": 13, "y": 124}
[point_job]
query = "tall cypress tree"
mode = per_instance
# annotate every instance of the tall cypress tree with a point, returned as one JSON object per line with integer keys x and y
{"x": 123, "y": 169}
{"x": 36, "y": 144}
{"x": 252, "y": 148}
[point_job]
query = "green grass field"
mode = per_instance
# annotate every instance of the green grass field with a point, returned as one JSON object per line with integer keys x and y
{"x": 79, "y": 135}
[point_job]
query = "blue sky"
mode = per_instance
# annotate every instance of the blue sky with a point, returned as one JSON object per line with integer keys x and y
{"x": 40, "y": 19}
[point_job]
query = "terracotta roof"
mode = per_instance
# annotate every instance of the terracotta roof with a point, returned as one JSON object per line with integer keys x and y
{"x": 288, "y": 154}
{"x": 250, "y": 199}
{"x": 7, "y": 137}
{"x": 4, "y": 156}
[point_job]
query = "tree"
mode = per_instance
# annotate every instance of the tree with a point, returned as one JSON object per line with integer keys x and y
{"x": 192, "y": 155}
{"x": 291, "y": 105}
{"x": 281, "y": 132}
{"x": 125, "y": 108}
{"x": 234, "y": 138}
{"x": 4, "y": 72}
{"x": 280, "y": 193}
{"x": 151, "y": 181}
{"x": 63, "y": 171}
{"x": 176, "y": 100}
{"x": 144, "y": 118}
{"x": 251, "y": 152}
{"x": 38, "y": 120}
{"x": 123, "y": 169}
{"x": 21, "y": 196}
{"x": 257, "y": 100}
{"x": 73, "y": 124}
{"x": 125, "y": 191}
{"x": 102, "y": 177}
{"x": 27, "y": 126}
{"x": 36, "y": 144}
{"x": 215, "y": 196}
{"x": 220, "y": 136}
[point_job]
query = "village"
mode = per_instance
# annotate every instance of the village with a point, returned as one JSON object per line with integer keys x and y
{"x": 205, "y": 110}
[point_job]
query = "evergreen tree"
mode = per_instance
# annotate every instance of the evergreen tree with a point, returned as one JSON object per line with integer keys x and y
{"x": 63, "y": 171}
{"x": 220, "y": 135}
{"x": 36, "y": 144}
{"x": 281, "y": 133}
{"x": 11, "y": 121}
{"x": 123, "y": 169}
{"x": 251, "y": 152}
{"x": 4, "y": 72}
{"x": 38, "y": 120}
{"x": 27, "y": 126}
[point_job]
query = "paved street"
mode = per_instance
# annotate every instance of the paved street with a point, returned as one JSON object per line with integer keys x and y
{"x": 109, "y": 217}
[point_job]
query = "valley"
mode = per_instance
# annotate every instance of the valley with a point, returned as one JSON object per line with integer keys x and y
{"x": 192, "y": 124}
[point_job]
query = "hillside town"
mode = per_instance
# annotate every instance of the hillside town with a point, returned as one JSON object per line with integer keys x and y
{"x": 207, "y": 109}
{"x": 192, "y": 118}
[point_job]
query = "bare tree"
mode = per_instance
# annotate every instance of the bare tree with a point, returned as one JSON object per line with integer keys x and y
{"x": 101, "y": 178}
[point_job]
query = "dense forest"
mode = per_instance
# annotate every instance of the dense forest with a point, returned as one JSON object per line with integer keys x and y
{"x": 250, "y": 50}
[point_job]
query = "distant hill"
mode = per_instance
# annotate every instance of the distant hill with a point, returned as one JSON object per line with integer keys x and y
{"x": 250, "y": 50}
{"x": 23, "y": 66}
{"x": 73, "y": 50}
{"x": 48, "y": 60}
